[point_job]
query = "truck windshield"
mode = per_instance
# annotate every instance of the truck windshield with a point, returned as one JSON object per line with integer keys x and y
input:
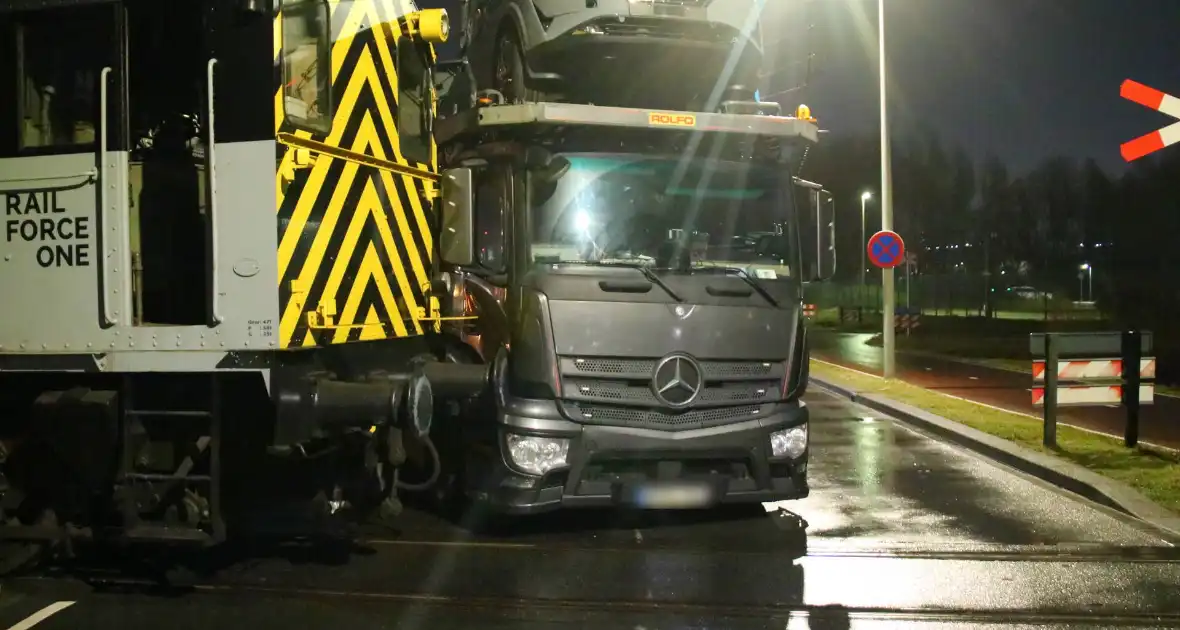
{"x": 665, "y": 212}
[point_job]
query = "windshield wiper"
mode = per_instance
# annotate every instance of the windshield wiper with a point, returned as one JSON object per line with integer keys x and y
{"x": 643, "y": 269}
{"x": 745, "y": 276}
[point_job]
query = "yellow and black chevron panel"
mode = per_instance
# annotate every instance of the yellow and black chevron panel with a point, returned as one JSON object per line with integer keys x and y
{"x": 355, "y": 239}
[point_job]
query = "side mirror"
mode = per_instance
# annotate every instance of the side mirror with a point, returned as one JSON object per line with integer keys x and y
{"x": 817, "y": 231}
{"x": 454, "y": 87}
{"x": 554, "y": 170}
{"x": 456, "y": 242}
{"x": 464, "y": 36}
{"x": 825, "y": 236}
{"x": 535, "y": 157}
{"x": 545, "y": 166}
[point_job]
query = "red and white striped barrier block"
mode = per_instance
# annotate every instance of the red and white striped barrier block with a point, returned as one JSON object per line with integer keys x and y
{"x": 1091, "y": 395}
{"x": 1078, "y": 369}
{"x": 904, "y": 322}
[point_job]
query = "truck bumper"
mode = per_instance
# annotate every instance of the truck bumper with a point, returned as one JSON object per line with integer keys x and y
{"x": 619, "y": 466}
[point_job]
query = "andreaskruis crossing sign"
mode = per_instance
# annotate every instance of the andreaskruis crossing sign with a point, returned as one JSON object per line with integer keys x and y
{"x": 1160, "y": 102}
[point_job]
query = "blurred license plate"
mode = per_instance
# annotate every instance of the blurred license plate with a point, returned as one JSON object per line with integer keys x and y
{"x": 672, "y": 496}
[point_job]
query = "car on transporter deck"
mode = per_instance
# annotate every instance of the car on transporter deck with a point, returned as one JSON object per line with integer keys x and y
{"x": 651, "y": 53}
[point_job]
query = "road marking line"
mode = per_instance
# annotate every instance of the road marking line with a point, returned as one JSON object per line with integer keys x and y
{"x": 837, "y": 365}
{"x": 41, "y": 615}
{"x": 1152, "y": 445}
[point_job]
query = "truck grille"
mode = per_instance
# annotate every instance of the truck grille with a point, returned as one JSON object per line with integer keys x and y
{"x": 643, "y": 368}
{"x": 617, "y": 392}
{"x": 624, "y": 393}
{"x": 662, "y": 419}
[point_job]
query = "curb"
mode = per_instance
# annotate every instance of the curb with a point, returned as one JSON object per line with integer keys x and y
{"x": 1061, "y": 473}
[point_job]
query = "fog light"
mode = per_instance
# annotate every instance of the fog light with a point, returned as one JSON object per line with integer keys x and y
{"x": 537, "y": 455}
{"x": 789, "y": 442}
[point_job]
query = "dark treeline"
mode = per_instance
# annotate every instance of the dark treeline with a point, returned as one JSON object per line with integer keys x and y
{"x": 1037, "y": 228}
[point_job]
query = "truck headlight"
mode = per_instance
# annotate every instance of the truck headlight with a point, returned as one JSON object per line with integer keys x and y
{"x": 537, "y": 455}
{"x": 789, "y": 442}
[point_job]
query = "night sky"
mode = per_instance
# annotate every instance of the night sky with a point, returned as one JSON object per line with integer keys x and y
{"x": 1020, "y": 79}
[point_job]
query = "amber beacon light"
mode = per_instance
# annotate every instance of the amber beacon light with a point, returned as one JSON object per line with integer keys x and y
{"x": 432, "y": 25}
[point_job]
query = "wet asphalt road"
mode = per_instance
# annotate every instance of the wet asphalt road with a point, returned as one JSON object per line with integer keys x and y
{"x": 1159, "y": 423}
{"x": 902, "y": 531}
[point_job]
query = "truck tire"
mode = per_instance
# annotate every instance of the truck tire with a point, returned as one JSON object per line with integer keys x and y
{"x": 508, "y": 74}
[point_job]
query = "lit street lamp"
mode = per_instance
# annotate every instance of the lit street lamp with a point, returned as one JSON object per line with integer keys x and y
{"x": 864, "y": 245}
{"x": 1089, "y": 273}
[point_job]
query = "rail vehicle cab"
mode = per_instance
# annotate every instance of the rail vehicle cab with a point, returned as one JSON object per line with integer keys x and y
{"x": 108, "y": 170}
{"x": 209, "y": 201}
{"x": 150, "y": 198}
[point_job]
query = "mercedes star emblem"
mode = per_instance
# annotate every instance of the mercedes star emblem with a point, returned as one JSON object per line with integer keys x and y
{"x": 677, "y": 380}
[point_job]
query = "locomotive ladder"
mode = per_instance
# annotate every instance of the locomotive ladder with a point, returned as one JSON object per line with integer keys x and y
{"x": 137, "y": 489}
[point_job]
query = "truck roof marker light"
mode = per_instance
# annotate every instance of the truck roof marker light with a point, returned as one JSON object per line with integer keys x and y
{"x": 488, "y": 98}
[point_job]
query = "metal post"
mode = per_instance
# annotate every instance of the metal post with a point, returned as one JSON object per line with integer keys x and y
{"x": 886, "y": 206}
{"x": 1050, "y": 411}
{"x": 1090, "y": 274}
{"x": 907, "y": 298}
{"x": 863, "y": 243}
{"x": 1132, "y": 350}
{"x": 987, "y": 272}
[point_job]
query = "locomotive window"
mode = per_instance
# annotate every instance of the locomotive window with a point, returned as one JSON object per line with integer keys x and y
{"x": 58, "y": 56}
{"x": 413, "y": 102}
{"x": 307, "y": 41}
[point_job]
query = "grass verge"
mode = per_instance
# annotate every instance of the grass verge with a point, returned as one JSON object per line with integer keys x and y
{"x": 1154, "y": 473}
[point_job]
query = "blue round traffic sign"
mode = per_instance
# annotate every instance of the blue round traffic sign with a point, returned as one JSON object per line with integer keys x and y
{"x": 886, "y": 249}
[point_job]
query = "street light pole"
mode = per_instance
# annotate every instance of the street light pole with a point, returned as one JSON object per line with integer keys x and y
{"x": 864, "y": 244}
{"x": 1089, "y": 271}
{"x": 886, "y": 207}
